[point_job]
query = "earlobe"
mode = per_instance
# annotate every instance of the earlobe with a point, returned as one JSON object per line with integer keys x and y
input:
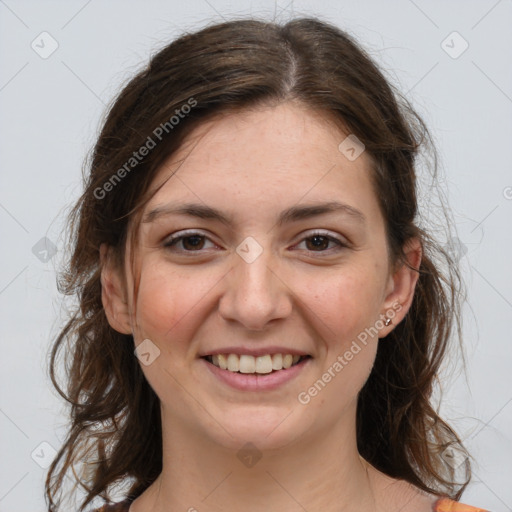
{"x": 113, "y": 294}
{"x": 401, "y": 287}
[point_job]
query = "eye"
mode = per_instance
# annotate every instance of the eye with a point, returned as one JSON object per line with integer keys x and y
{"x": 194, "y": 241}
{"x": 320, "y": 240}
{"x": 191, "y": 241}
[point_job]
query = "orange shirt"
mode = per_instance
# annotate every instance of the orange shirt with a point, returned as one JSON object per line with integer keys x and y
{"x": 446, "y": 505}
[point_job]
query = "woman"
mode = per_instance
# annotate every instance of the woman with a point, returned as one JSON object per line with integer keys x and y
{"x": 261, "y": 317}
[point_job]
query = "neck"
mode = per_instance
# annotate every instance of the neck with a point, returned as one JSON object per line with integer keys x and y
{"x": 319, "y": 471}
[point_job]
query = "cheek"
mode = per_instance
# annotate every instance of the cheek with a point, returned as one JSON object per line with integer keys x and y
{"x": 345, "y": 302}
{"x": 345, "y": 307}
{"x": 168, "y": 313}
{"x": 166, "y": 302}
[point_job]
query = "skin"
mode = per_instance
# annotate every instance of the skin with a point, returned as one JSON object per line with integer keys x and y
{"x": 252, "y": 165}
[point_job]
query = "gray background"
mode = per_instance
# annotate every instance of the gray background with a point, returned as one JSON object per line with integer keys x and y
{"x": 51, "y": 109}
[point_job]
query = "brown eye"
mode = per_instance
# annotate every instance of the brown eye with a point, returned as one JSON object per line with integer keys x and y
{"x": 193, "y": 242}
{"x": 319, "y": 242}
{"x": 190, "y": 242}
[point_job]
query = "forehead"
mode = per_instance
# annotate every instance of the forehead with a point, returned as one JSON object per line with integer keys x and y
{"x": 269, "y": 157}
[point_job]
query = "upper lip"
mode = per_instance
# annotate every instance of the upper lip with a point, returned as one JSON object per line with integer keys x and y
{"x": 252, "y": 351}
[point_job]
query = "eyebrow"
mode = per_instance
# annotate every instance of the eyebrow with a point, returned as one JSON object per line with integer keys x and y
{"x": 292, "y": 214}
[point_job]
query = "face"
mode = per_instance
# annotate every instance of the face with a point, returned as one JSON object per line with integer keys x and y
{"x": 252, "y": 270}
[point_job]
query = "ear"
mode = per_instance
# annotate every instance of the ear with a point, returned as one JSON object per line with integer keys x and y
{"x": 401, "y": 286}
{"x": 113, "y": 293}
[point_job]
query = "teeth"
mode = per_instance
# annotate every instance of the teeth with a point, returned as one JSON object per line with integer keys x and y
{"x": 277, "y": 362}
{"x": 223, "y": 362}
{"x": 247, "y": 364}
{"x": 250, "y": 364}
{"x": 233, "y": 363}
{"x": 263, "y": 364}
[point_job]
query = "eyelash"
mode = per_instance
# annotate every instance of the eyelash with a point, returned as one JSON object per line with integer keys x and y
{"x": 173, "y": 239}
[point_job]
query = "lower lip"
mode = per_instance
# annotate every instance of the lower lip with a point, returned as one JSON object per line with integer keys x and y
{"x": 260, "y": 382}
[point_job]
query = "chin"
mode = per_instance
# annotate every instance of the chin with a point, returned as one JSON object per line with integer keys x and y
{"x": 266, "y": 427}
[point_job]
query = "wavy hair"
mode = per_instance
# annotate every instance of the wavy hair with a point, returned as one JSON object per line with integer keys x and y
{"x": 115, "y": 428}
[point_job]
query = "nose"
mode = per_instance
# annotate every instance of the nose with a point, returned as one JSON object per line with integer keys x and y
{"x": 255, "y": 292}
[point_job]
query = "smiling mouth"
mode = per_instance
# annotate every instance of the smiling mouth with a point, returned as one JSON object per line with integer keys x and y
{"x": 248, "y": 364}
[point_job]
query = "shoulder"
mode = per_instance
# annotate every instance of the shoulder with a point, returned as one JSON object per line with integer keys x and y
{"x": 415, "y": 500}
{"x": 446, "y": 505}
{"x": 394, "y": 494}
{"x": 418, "y": 501}
{"x": 121, "y": 506}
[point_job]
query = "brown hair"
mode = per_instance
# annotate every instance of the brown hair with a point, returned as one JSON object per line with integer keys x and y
{"x": 115, "y": 416}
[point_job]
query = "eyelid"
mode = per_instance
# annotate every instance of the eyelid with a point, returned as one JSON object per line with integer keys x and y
{"x": 342, "y": 243}
{"x": 303, "y": 236}
{"x": 184, "y": 234}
